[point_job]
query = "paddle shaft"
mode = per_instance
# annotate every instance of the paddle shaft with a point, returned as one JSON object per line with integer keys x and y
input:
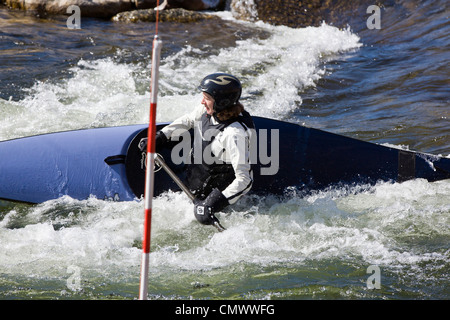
{"x": 159, "y": 160}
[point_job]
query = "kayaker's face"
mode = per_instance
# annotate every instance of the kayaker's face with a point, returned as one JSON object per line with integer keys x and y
{"x": 208, "y": 102}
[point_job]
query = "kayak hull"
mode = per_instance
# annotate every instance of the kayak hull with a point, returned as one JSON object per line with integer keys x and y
{"x": 106, "y": 163}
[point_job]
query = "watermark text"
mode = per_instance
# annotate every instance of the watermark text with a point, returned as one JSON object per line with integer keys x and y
{"x": 261, "y": 147}
{"x": 74, "y": 281}
{"x": 374, "y": 20}
{"x": 74, "y": 21}
{"x": 374, "y": 280}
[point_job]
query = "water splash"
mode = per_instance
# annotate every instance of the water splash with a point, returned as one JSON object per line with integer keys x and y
{"x": 106, "y": 92}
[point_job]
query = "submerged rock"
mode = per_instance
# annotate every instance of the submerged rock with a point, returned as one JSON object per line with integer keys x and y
{"x": 184, "y": 4}
{"x": 292, "y": 13}
{"x": 88, "y": 8}
{"x": 105, "y": 8}
{"x": 302, "y": 13}
{"x": 149, "y": 15}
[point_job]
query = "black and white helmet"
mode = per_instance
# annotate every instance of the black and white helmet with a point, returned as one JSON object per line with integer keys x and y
{"x": 224, "y": 88}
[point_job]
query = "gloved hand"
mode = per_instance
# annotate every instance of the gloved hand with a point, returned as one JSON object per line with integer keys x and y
{"x": 160, "y": 141}
{"x": 204, "y": 210}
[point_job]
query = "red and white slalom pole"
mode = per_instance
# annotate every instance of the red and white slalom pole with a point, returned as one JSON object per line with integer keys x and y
{"x": 149, "y": 179}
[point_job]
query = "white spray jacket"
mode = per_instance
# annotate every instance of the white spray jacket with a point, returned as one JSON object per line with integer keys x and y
{"x": 230, "y": 146}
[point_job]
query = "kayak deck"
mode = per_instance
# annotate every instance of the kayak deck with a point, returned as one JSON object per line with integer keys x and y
{"x": 106, "y": 163}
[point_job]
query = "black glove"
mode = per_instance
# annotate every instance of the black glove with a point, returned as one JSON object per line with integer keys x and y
{"x": 204, "y": 210}
{"x": 160, "y": 141}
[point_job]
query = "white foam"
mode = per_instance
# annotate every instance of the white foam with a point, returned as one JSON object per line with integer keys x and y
{"x": 105, "y": 92}
{"x": 378, "y": 226}
{"x": 274, "y": 71}
{"x": 99, "y": 93}
{"x": 367, "y": 226}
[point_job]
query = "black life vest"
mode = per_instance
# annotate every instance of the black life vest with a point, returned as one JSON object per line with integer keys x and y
{"x": 203, "y": 177}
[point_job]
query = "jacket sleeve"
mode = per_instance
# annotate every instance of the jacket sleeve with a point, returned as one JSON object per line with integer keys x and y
{"x": 183, "y": 123}
{"x": 237, "y": 145}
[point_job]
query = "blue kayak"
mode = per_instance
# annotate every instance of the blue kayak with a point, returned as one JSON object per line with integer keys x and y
{"x": 107, "y": 163}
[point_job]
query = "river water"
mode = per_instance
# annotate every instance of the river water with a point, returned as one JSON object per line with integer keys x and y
{"x": 388, "y": 86}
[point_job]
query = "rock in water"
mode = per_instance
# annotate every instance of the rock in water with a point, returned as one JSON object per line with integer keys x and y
{"x": 105, "y": 8}
{"x": 296, "y": 14}
{"x": 175, "y": 15}
{"x": 88, "y": 8}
